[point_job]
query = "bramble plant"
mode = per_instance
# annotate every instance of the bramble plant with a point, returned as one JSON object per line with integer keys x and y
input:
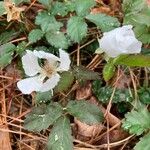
{"x": 44, "y": 49}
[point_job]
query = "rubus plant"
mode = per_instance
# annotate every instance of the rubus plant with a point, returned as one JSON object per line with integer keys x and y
{"x": 58, "y": 26}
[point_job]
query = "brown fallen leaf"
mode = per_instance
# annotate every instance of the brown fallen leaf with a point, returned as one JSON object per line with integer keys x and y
{"x": 85, "y": 132}
{"x": 13, "y": 12}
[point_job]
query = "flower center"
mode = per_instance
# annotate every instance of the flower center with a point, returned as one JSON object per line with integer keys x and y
{"x": 49, "y": 70}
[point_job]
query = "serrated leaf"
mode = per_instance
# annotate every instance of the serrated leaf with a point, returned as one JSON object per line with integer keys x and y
{"x": 108, "y": 71}
{"x": 82, "y": 73}
{"x": 43, "y": 96}
{"x": 57, "y": 39}
{"x": 35, "y": 35}
{"x": 103, "y": 94}
{"x": 84, "y": 111}
{"x": 137, "y": 121}
{"x": 66, "y": 81}
{"x": 82, "y": 7}
{"x": 47, "y": 22}
{"x": 42, "y": 117}
{"x": 6, "y": 52}
{"x": 59, "y": 8}
{"x": 76, "y": 28}
{"x": 133, "y": 60}
{"x": 144, "y": 143}
{"x": 2, "y": 9}
{"x": 103, "y": 21}
{"x": 60, "y": 137}
{"x": 46, "y": 3}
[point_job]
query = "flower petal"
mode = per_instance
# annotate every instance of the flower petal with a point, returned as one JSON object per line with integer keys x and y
{"x": 30, "y": 63}
{"x": 44, "y": 55}
{"x": 28, "y": 85}
{"x": 64, "y": 61}
{"x": 50, "y": 83}
{"x": 121, "y": 40}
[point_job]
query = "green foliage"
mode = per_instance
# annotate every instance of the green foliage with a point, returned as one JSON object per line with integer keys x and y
{"x": 81, "y": 73}
{"x": 2, "y": 9}
{"x": 85, "y": 111}
{"x": 66, "y": 81}
{"x": 17, "y": 2}
{"x": 60, "y": 137}
{"x": 137, "y": 121}
{"x": 6, "y": 52}
{"x": 142, "y": 33}
{"x": 137, "y": 13}
{"x": 47, "y": 22}
{"x": 57, "y": 39}
{"x": 104, "y": 22}
{"x": 104, "y": 93}
{"x": 43, "y": 96}
{"x": 133, "y": 60}
{"x": 42, "y": 117}
{"x": 7, "y": 36}
{"x": 76, "y": 28}
{"x": 108, "y": 71}
{"x": 35, "y": 35}
{"x": 60, "y": 8}
{"x": 46, "y": 3}
{"x": 134, "y": 6}
{"x": 82, "y": 7}
{"x": 144, "y": 143}
{"x": 144, "y": 95}
{"x": 21, "y": 48}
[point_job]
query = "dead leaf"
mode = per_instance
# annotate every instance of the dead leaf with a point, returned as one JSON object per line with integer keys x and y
{"x": 86, "y": 132}
{"x": 13, "y": 12}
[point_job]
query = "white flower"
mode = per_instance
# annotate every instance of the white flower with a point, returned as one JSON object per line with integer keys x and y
{"x": 120, "y": 41}
{"x": 42, "y": 78}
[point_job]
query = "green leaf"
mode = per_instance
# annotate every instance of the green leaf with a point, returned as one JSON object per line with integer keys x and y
{"x": 21, "y": 47}
{"x": 47, "y": 22}
{"x": 103, "y": 94}
{"x": 17, "y": 2}
{"x": 133, "y": 6}
{"x": 2, "y": 9}
{"x": 133, "y": 60}
{"x": 66, "y": 81}
{"x": 35, "y": 35}
{"x": 142, "y": 33}
{"x": 7, "y": 36}
{"x": 84, "y": 111}
{"x": 82, "y": 73}
{"x": 144, "y": 143}
{"x": 104, "y": 22}
{"x": 108, "y": 71}
{"x": 57, "y": 39}
{"x": 46, "y": 3}
{"x": 76, "y": 28}
{"x": 60, "y": 137}
{"x": 59, "y": 8}
{"x": 137, "y": 121}
{"x": 144, "y": 95}
{"x": 42, "y": 117}
{"x": 82, "y": 7}
{"x": 43, "y": 96}
{"x": 6, "y": 52}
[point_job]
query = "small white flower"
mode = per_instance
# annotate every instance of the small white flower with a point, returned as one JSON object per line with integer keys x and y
{"x": 120, "y": 41}
{"x": 42, "y": 78}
